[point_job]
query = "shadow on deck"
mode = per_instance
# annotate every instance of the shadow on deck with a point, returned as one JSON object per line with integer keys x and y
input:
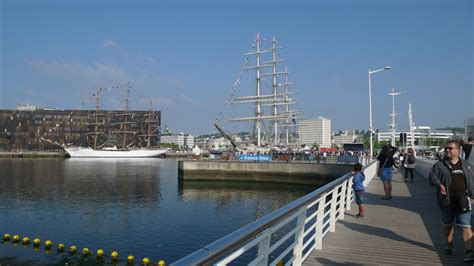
{"x": 403, "y": 230}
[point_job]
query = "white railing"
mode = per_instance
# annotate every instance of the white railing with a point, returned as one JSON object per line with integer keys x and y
{"x": 288, "y": 235}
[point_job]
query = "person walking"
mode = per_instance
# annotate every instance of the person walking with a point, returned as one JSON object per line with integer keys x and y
{"x": 468, "y": 150}
{"x": 409, "y": 164}
{"x": 401, "y": 159}
{"x": 386, "y": 162}
{"x": 453, "y": 179}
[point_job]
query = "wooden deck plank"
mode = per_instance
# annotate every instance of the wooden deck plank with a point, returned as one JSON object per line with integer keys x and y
{"x": 404, "y": 230}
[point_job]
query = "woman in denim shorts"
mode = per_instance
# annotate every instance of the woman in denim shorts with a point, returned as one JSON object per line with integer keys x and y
{"x": 386, "y": 162}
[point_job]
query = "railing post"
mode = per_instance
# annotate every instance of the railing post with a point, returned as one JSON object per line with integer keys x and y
{"x": 349, "y": 194}
{"x": 318, "y": 236}
{"x": 332, "y": 215}
{"x": 264, "y": 247}
{"x": 299, "y": 236}
{"x": 342, "y": 204}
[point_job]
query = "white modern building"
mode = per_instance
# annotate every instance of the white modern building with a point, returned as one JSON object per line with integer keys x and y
{"x": 469, "y": 127}
{"x": 315, "y": 131}
{"x": 173, "y": 139}
{"x": 348, "y": 136}
{"x": 181, "y": 139}
{"x": 218, "y": 144}
{"x": 421, "y": 134}
{"x": 189, "y": 141}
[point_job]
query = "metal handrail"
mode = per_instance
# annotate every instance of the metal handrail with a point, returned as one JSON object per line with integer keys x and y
{"x": 214, "y": 251}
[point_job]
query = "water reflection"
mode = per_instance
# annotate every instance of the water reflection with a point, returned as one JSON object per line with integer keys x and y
{"x": 135, "y": 207}
{"x": 259, "y": 197}
{"x": 88, "y": 181}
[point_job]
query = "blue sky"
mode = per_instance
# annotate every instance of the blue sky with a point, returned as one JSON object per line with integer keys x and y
{"x": 186, "y": 56}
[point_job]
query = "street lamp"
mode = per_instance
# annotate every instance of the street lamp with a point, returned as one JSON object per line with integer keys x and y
{"x": 370, "y": 108}
{"x": 393, "y": 115}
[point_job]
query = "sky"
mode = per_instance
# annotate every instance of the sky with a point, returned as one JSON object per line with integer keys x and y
{"x": 186, "y": 55}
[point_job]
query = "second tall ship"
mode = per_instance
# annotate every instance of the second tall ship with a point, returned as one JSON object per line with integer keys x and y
{"x": 124, "y": 137}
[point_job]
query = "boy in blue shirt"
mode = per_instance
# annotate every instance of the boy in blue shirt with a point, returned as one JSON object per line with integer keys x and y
{"x": 358, "y": 186}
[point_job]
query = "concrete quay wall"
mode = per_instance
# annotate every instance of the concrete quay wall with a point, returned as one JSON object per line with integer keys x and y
{"x": 304, "y": 173}
{"x": 33, "y": 154}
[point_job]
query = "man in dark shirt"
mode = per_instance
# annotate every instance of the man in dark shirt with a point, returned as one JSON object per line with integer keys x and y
{"x": 453, "y": 178}
{"x": 457, "y": 188}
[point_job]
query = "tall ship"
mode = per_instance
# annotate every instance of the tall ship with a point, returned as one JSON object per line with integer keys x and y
{"x": 273, "y": 120}
{"x": 121, "y": 141}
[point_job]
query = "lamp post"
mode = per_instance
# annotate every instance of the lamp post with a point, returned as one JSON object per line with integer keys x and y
{"x": 370, "y": 108}
{"x": 393, "y": 114}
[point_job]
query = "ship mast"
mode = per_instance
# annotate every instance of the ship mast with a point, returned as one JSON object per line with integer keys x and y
{"x": 125, "y": 122}
{"x": 150, "y": 120}
{"x": 412, "y": 127}
{"x": 96, "y": 115}
{"x": 261, "y": 100}
{"x": 393, "y": 115}
{"x": 257, "y": 105}
{"x": 275, "y": 92}
{"x": 125, "y": 125}
{"x": 287, "y": 109}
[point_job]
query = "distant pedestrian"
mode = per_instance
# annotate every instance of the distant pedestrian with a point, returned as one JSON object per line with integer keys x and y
{"x": 358, "y": 186}
{"x": 401, "y": 159}
{"x": 324, "y": 156}
{"x": 409, "y": 164}
{"x": 386, "y": 162}
{"x": 453, "y": 179}
{"x": 468, "y": 150}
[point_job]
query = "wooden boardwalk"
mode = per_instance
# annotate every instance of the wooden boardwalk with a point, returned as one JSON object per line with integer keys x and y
{"x": 405, "y": 230}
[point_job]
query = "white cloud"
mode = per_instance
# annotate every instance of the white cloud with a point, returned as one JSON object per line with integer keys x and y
{"x": 109, "y": 44}
{"x": 164, "y": 91}
{"x": 151, "y": 60}
{"x": 163, "y": 102}
{"x": 186, "y": 99}
{"x": 97, "y": 74}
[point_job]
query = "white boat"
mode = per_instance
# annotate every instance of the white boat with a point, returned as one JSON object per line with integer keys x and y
{"x": 84, "y": 152}
{"x": 126, "y": 149}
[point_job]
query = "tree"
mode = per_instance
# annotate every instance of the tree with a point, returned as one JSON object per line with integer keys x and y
{"x": 379, "y": 144}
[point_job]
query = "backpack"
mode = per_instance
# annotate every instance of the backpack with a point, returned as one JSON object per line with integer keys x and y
{"x": 411, "y": 159}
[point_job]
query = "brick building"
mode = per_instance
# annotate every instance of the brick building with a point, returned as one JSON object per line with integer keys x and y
{"x": 23, "y": 128}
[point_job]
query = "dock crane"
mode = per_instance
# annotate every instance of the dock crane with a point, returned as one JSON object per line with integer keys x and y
{"x": 226, "y": 136}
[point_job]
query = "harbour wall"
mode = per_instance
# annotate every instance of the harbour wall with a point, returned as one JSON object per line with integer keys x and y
{"x": 33, "y": 154}
{"x": 303, "y": 173}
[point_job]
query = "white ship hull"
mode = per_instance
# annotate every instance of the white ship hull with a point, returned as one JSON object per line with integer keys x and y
{"x": 81, "y": 152}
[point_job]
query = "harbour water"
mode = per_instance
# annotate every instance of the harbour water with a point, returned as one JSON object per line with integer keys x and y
{"x": 135, "y": 207}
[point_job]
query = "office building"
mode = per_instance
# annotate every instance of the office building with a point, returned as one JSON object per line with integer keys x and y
{"x": 345, "y": 137}
{"x": 315, "y": 131}
{"x": 422, "y": 134}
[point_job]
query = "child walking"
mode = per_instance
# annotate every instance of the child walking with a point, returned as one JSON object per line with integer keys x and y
{"x": 358, "y": 186}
